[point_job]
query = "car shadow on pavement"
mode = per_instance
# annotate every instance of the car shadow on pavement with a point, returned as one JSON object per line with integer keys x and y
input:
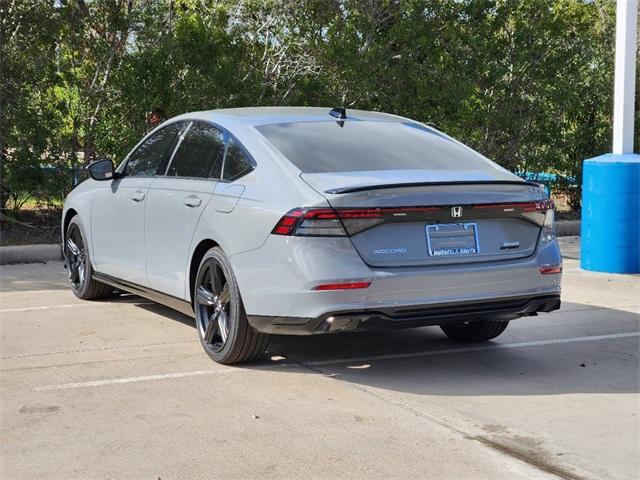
{"x": 160, "y": 310}
{"x": 548, "y": 354}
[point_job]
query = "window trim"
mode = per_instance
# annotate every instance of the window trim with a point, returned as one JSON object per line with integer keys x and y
{"x": 246, "y": 154}
{"x": 175, "y": 149}
{"x": 190, "y": 121}
{"x": 226, "y": 135}
{"x": 122, "y": 168}
{"x": 224, "y": 157}
{"x": 176, "y": 142}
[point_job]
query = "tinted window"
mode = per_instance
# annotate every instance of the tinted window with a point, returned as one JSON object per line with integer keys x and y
{"x": 146, "y": 159}
{"x": 236, "y": 163}
{"x": 316, "y": 147}
{"x": 200, "y": 153}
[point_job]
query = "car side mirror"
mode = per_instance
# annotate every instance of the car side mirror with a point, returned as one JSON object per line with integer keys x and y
{"x": 101, "y": 170}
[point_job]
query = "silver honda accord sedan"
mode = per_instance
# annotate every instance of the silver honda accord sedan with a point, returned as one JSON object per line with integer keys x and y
{"x": 299, "y": 221}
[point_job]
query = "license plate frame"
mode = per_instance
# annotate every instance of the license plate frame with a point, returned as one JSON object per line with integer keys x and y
{"x": 450, "y": 233}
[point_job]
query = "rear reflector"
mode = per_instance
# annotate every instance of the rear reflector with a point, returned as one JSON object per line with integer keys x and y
{"x": 342, "y": 286}
{"x": 550, "y": 269}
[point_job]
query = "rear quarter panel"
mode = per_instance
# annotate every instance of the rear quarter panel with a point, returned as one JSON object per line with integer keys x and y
{"x": 270, "y": 190}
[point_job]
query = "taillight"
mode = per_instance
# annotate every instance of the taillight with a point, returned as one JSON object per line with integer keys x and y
{"x": 320, "y": 222}
{"x": 327, "y": 222}
{"x": 287, "y": 224}
{"x": 526, "y": 207}
{"x": 543, "y": 207}
{"x": 340, "y": 222}
{"x": 549, "y": 225}
{"x": 357, "y": 220}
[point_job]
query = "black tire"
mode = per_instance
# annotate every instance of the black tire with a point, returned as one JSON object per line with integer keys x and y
{"x": 79, "y": 267}
{"x": 221, "y": 321}
{"x": 474, "y": 332}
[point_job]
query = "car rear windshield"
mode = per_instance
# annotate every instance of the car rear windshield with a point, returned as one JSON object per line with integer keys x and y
{"x": 322, "y": 147}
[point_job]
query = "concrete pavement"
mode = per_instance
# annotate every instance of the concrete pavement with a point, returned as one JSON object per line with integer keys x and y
{"x": 121, "y": 389}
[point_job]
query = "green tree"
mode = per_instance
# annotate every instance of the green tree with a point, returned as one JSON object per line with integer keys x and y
{"x": 529, "y": 84}
{"x": 28, "y": 50}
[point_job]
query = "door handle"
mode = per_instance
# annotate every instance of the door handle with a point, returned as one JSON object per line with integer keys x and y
{"x": 137, "y": 196}
{"x": 192, "y": 201}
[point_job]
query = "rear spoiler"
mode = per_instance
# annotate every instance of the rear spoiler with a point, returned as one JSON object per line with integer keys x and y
{"x": 363, "y": 188}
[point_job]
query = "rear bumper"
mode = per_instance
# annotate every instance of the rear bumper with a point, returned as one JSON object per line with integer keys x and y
{"x": 504, "y": 309}
{"x": 278, "y": 280}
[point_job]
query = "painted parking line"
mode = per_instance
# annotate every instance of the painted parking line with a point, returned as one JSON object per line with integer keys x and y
{"x": 114, "y": 381}
{"x": 123, "y": 301}
{"x": 146, "y": 378}
{"x": 96, "y": 349}
{"x": 499, "y": 346}
{"x": 44, "y": 307}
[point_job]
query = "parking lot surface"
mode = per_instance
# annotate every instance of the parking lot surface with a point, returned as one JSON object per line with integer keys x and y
{"x": 121, "y": 389}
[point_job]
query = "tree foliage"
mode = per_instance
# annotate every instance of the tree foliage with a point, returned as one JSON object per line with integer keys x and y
{"x": 527, "y": 83}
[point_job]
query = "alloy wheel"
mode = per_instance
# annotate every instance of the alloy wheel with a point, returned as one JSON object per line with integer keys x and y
{"x": 76, "y": 258}
{"x": 213, "y": 306}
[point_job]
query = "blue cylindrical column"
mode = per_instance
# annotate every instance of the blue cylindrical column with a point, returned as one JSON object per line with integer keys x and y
{"x": 611, "y": 214}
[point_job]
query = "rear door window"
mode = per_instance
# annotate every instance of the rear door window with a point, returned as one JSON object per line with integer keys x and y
{"x": 145, "y": 160}
{"x": 199, "y": 154}
{"x": 236, "y": 163}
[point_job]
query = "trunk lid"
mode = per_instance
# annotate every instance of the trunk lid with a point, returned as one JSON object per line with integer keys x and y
{"x": 425, "y": 219}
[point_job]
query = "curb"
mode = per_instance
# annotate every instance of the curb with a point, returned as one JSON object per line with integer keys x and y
{"x": 30, "y": 253}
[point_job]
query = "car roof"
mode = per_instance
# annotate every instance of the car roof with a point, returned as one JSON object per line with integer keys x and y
{"x": 254, "y": 116}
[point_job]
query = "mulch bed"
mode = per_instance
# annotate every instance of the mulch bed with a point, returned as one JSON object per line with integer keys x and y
{"x": 29, "y": 227}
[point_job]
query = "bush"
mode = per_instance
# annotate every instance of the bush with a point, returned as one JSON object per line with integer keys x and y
{"x": 528, "y": 84}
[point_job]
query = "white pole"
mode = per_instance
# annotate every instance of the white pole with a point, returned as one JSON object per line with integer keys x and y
{"x": 625, "y": 82}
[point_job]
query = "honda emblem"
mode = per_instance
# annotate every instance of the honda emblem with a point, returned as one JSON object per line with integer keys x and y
{"x": 456, "y": 212}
